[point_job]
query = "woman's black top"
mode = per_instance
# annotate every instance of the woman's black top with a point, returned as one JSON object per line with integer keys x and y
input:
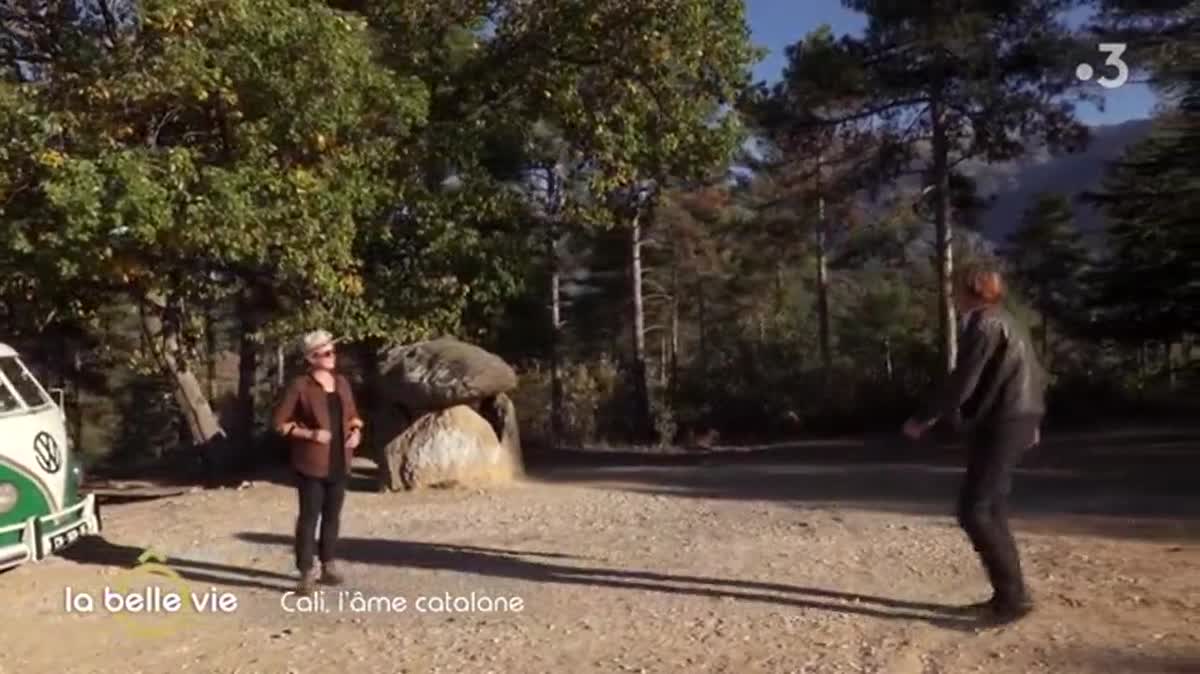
{"x": 337, "y": 440}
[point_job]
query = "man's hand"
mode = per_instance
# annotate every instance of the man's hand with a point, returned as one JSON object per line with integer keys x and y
{"x": 354, "y": 440}
{"x": 914, "y": 428}
{"x": 322, "y": 436}
{"x": 1037, "y": 437}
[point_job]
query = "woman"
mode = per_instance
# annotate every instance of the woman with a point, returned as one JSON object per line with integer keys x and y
{"x": 997, "y": 393}
{"x": 319, "y": 417}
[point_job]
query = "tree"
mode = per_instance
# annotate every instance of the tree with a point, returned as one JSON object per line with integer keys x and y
{"x": 547, "y": 176}
{"x": 1049, "y": 260}
{"x": 1149, "y": 194}
{"x": 938, "y": 83}
{"x": 1153, "y": 249}
{"x": 1159, "y": 39}
{"x": 218, "y": 148}
{"x": 638, "y": 89}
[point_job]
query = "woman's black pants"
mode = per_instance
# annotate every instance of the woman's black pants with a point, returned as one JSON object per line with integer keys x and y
{"x": 983, "y": 503}
{"x": 319, "y": 498}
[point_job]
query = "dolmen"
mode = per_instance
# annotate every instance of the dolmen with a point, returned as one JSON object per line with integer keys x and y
{"x": 447, "y": 418}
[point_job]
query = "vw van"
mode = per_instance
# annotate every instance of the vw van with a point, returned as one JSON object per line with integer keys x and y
{"x": 41, "y": 509}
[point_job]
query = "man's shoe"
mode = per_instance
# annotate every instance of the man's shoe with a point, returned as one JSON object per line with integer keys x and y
{"x": 307, "y": 584}
{"x": 1005, "y": 613}
{"x": 978, "y": 608}
{"x": 329, "y": 574}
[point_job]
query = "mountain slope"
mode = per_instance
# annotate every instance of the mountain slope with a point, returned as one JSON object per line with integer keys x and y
{"x": 1013, "y": 185}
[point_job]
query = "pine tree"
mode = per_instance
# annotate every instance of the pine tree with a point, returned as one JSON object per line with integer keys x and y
{"x": 1048, "y": 259}
{"x": 936, "y": 83}
{"x": 1149, "y": 286}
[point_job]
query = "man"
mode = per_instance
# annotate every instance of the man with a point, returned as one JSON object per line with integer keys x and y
{"x": 997, "y": 391}
{"x": 319, "y": 417}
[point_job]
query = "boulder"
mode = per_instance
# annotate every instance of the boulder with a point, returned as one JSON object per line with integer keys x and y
{"x": 501, "y": 413}
{"x": 450, "y": 447}
{"x": 443, "y": 373}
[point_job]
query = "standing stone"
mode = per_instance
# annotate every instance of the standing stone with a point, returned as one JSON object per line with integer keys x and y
{"x": 450, "y": 447}
{"x": 389, "y": 421}
{"x": 501, "y": 413}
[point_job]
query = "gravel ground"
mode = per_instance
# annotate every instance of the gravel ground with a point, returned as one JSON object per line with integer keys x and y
{"x": 739, "y": 568}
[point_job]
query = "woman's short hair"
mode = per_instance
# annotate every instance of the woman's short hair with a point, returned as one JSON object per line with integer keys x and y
{"x": 315, "y": 340}
{"x": 982, "y": 283}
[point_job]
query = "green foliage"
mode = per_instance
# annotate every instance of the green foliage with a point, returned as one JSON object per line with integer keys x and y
{"x": 589, "y": 389}
{"x": 399, "y": 169}
{"x": 1148, "y": 197}
{"x": 1163, "y": 39}
{"x": 929, "y": 85}
{"x": 171, "y": 168}
{"x": 637, "y": 87}
{"x": 1000, "y": 75}
{"x": 884, "y": 325}
{"x": 1048, "y": 258}
{"x": 1151, "y": 192}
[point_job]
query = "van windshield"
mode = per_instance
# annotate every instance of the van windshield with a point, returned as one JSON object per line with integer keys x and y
{"x": 8, "y": 400}
{"x": 24, "y": 384}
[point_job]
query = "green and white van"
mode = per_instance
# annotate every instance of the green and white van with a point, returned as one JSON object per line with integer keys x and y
{"x": 41, "y": 511}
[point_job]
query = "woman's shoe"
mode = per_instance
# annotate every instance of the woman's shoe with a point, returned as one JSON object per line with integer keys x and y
{"x": 307, "y": 584}
{"x": 329, "y": 574}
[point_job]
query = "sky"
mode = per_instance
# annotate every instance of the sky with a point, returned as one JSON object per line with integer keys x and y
{"x": 774, "y": 24}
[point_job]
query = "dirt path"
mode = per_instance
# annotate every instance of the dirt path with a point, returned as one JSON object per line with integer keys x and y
{"x": 739, "y": 569}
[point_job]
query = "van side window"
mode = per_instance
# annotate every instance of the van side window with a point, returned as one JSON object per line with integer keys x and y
{"x": 24, "y": 383}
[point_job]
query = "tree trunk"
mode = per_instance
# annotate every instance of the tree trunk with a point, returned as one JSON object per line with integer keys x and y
{"x": 1142, "y": 366}
{"x": 673, "y": 365}
{"x": 281, "y": 368}
{"x": 210, "y": 352}
{"x": 372, "y": 442}
{"x": 780, "y": 300}
{"x": 823, "y": 296}
{"x": 1169, "y": 361}
{"x": 76, "y": 394}
{"x": 662, "y": 360}
{"x": 556, "y": 386}
{"x": 673, "y": 375}
{"x": 702, "y": 317}
{"x": 1045, "y": 338}
{"x": 161, "y": 337}
{"x": 643, "y": 423}
{"x": 945, "y": 243}
{"x": 888, "y": 367}
{"x": 247, "y": 370}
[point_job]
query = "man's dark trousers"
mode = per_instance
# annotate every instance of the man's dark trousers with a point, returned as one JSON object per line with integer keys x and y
{"x": 996, "y": 449}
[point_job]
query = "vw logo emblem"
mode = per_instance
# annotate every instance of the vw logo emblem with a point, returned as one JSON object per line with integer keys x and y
{"x": 45, "y": 448}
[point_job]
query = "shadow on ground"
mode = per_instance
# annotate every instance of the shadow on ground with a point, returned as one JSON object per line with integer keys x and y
{"x": 177, "y": 475}
{"x": 98, "y": 551}
{"x": 532, "y": 567}
{"x": 363, "y": 476}
{"x": 1143, "y": 485}
{"x": 1118, "y": 662}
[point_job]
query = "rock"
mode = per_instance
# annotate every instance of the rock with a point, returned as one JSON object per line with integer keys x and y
{"x": 501, "y": 413}
{"x": 442, "y": 373}
{"x": 450, "y": 447}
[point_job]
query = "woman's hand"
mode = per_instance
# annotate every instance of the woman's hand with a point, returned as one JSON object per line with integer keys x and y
{"x": 914, "y": 428}
{"x": 321, "y": 436}
{"x": 354, "y": 440}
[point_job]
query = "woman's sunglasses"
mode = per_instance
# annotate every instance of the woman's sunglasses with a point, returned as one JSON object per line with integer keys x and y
{"x": 327, "y": 353}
